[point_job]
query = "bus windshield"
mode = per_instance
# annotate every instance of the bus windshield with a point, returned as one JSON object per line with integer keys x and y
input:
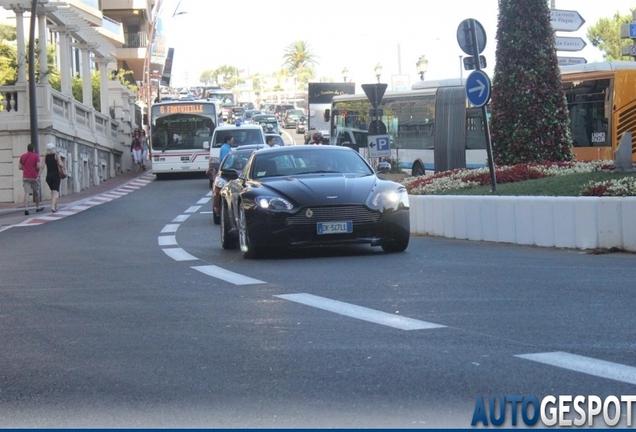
{"x": 182, "y": 126}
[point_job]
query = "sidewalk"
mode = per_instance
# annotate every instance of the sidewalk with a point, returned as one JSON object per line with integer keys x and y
{"x": 113, "y": 183}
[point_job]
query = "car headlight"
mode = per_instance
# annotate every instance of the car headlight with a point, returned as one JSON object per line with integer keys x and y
{"x": 389, "y": 199}
{"x": 219, "y": 182}
{"x": 273, "y": 203}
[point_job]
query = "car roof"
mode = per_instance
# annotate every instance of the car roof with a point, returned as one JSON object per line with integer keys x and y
{"x": 235, "y": 127}
{"x": 251, "y": 147}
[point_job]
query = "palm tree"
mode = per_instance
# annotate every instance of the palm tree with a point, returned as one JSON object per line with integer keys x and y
{"x": 298, "y": 56}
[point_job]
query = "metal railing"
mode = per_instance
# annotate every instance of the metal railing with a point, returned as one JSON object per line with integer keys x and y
{"x": 136, "y": 40}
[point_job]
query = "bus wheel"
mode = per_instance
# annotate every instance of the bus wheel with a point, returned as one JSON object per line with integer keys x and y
{"x": 417, "y": 170}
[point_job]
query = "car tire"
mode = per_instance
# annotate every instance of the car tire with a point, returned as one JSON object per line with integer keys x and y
{"x": 228, "y": 241}
{"x": 248, "y": 251}
{"x": 398, "y": 244}
{"x": 216, "y": 218}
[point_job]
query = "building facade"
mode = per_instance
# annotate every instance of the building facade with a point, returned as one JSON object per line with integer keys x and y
{"x": 91, "y": 37}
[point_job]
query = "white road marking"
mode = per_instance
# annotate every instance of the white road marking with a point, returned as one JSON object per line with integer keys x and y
{"x": 203, "y": 201}
{"x": 205, "y": 212}
{"x": 209, "y": 194}
{"x": 167, "y": 240}
{"x": 181, "y": 218}
{"x": 359, "y": 312}
{"x": 586, "y": 365}
{"x": 170, "y": 228}
{"x": 179, "y": 254}
{"x": 193, "y": 209}
{"x": 226, "y": 275}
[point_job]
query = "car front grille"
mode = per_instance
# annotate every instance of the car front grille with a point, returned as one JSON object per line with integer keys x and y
{"x": 354, "y": 213}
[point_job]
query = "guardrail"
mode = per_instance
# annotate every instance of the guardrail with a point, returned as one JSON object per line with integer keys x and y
{"x": 563, "y": 222}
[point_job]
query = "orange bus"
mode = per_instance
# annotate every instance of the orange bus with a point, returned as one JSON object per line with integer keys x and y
{"x": 602, "y": 103}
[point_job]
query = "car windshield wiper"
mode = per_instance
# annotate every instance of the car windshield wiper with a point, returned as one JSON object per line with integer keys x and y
{"x": 318, "y": 172}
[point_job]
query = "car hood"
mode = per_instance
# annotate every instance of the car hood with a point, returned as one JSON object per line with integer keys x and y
{"x": 321, "y": 189}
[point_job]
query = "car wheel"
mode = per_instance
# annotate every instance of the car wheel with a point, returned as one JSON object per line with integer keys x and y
{"x": 216, "y": 218}
{"x": 227, "y": 240}
{"x": 248, "y": 250}
{"x": 398, "y": 244}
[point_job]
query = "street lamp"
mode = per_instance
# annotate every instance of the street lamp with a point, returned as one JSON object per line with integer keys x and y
{"x": 422, "y": 66}
{"x": 378, "y": 71}
{"x": 345, "y": 71}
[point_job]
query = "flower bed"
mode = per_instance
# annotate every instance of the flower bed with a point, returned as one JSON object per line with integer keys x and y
{"x": 469, "y": 178}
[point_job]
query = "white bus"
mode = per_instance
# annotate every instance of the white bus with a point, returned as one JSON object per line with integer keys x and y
{"x": 180, "y": 136}
{"x": 433, "y": 128}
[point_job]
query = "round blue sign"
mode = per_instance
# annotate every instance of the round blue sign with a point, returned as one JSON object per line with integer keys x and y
{"x": 478, "y": 88}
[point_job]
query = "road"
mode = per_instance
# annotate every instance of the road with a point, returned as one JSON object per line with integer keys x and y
{"x": 130, "y": 314}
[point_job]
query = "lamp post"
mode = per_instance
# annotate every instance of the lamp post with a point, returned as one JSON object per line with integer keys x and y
{"x": 345, "y": 71}
{"x": 378, "y": 71}
{"x": 422, "y": 66}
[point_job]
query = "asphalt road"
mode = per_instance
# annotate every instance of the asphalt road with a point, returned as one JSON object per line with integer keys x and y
{"x": 130, "y": 314}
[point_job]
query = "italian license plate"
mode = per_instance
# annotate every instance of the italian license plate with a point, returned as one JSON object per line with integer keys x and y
{"x": 335, "y": 227}
{"x": 186, "y": 167}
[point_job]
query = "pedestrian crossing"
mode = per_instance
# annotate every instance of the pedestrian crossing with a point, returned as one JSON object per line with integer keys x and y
{"x": 80, "y": 206}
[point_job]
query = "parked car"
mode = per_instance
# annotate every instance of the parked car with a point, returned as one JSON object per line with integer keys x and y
{"x": 335, "y": 198}
{"x": 291, "y": 117}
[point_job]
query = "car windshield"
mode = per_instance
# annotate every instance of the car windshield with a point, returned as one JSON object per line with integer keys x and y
{"x": 295, "y": 112}
{"x": 306, "y": 161}
{"x": 236, "y": 160}
{"x": 241, "y": 136}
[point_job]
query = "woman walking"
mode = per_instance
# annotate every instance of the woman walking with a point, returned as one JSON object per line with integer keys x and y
{"x": 52, "y": 160}
{"x": 136, "y": 149}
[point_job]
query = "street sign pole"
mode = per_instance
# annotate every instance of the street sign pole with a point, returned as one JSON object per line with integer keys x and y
{"x": 484, "y": 115}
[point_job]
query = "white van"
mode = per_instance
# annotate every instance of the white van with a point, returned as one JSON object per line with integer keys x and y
{"x": 243, "y": 134}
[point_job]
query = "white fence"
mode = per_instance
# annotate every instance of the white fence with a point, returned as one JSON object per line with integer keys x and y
{"x": 564, "y": 222}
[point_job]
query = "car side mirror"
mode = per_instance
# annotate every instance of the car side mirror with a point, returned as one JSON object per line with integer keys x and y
{"x": 206, "y": 145}
{"x": 229, "y": 174}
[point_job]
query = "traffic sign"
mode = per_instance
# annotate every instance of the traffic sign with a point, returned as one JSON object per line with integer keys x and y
{"x": 565, "y": 20}
{"x": 565, "y": 43}
{"x": 379, "y": 146}
{"x": 374, "y": 92}
{"x": 478, "y": 88}
{"x": 465, "y": 36}
{"x": 566, "y": 61}
{"x": 628, "y": 50}
{"x": 469, "y": 62}
{"x": 628, "y": 30}
{"x": 377, "y": 127}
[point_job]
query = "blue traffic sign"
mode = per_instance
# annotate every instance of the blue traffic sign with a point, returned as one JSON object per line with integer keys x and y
{"x": 632, "y": 30}
{"x": 478, "y": 88}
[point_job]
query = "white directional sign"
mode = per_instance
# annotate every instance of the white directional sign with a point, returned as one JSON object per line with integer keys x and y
{"x": 564, "y": 43}
{"x": 628, "y": 50}
{"x": 379, "y": 146}
{"x": 565, "y": 20}
{"x": 567, "y": 61}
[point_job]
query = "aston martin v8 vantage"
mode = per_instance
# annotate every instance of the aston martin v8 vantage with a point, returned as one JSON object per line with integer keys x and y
{"x": 304, "y": 196}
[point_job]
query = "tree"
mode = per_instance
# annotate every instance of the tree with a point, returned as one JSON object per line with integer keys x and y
{"x": 530, "y": 121}
{"x": 606, "y": 36}
{"x": 298, "y": 56}
{"x": 208, "y": 77}
{"x": 228, "y": 76}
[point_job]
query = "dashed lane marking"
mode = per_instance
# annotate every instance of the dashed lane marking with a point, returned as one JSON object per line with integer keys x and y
{"x": 193, "y": 209}
{"x": 359, "y": 312}
{"x": 169, "y": 240}
{"x": 179, "y": 254}
{"x": 586, "y": 365}
{"x": 226, "y": 275}
{"x": 170, "y": 228}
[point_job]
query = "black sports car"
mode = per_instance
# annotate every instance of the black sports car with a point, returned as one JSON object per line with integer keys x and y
{"x": 296, "y": 196}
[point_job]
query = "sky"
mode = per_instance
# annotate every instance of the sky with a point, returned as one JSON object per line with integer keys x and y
{"x": 353, "y": 34}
